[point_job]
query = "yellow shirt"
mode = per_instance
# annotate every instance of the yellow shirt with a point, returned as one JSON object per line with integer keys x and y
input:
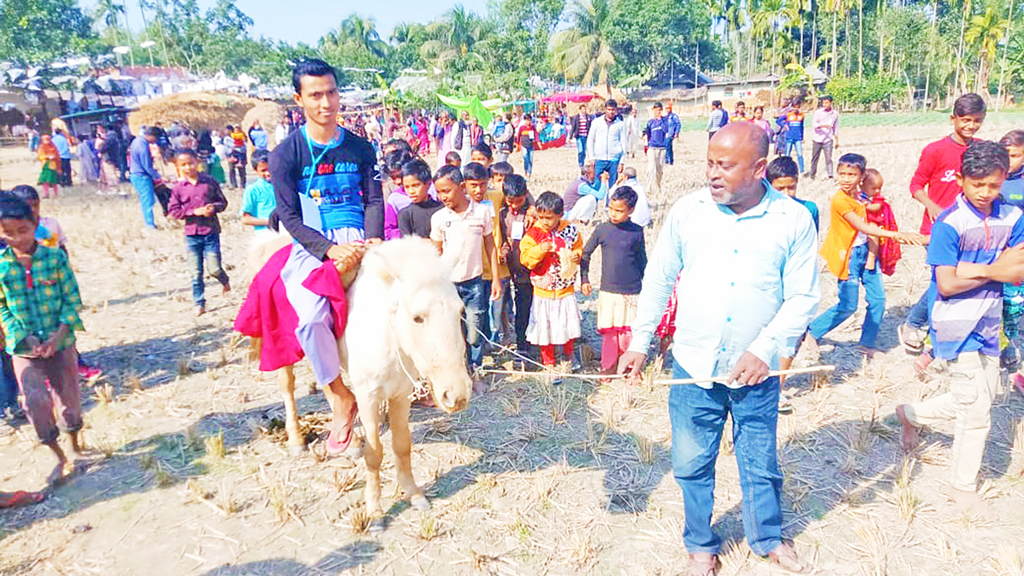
{"x": 841, "y": 234}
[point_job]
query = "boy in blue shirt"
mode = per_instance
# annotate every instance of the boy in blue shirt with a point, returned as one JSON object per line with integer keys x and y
{"x": 258, "y": 201}
{"x": 1012, "y": 193}
{"x": 976, "y": 246}
{"x": 784, "y": 175}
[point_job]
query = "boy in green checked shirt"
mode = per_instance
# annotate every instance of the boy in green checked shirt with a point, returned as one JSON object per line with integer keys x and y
{"x": 39, "y": 304}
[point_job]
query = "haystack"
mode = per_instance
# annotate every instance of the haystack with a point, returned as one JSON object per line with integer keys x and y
{"x": 197, "y": 110}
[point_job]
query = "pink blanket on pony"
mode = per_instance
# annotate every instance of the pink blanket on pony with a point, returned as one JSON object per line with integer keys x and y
{"x": 267, "y": 314}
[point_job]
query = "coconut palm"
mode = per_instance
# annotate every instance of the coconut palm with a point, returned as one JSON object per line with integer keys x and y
{"x": 359, "y": 31}
{"x": 985, "y": 33}
{"x": 109, "y": 13}
{"x": 583, "y": 51}
{"x": 452, "y": 38}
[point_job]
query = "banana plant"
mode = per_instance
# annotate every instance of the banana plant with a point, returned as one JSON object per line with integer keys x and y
{"x": 799, "y": 75}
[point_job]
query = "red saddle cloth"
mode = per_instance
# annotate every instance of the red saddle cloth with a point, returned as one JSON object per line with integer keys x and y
{"x": 266, "y": 312}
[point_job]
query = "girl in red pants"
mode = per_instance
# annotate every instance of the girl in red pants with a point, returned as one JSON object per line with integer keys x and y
{"x": 623, "y": 259}
{"x": 551, "y": 249}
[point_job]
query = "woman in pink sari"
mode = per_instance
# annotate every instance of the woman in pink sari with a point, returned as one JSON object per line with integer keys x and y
{"x": 423, "y": 130}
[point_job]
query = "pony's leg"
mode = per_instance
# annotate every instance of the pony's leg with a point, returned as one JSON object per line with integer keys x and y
{"x": 401, "y": 442}
{"x": 373, "y": 454}
{"x": 255, "y": 345}
{"x": 286, "y": 383}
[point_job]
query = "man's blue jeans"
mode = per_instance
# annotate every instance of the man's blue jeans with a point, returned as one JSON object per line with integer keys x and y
{"x": 610, "y": 166}
{"x": 474, "y": 295}
{"x": 496, "y": 312}
{"x": 920, "y": 313}
{"x": 204, "y": 249}
{"x": 698, "y": 418}
{"x": 797, "y": 147}
{"x": 849, "y": 293}
{"x": 147, "y": 196}
{"x": 581, "y": 149}
{"x": 528, "y": 161}
{"x": 670, "y": 156}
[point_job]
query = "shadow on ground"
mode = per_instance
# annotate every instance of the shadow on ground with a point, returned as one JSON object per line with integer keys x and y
{"x": 140, "y": 466}
{"x": 351, "y": 555}
{"x": 854, "y": 463}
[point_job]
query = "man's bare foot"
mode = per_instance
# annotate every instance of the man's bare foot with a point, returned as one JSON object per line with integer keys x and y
{"x": 227, "y": 287}
{"x": 969, "y": 502}
{"x": 908, "y": 432}
{"x": 200, "y": 310}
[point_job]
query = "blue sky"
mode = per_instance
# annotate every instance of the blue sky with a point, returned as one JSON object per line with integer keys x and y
{"x": 308, "y": 20}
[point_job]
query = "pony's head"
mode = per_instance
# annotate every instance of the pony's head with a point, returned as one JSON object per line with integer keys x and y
{"x": 425, "y": 315}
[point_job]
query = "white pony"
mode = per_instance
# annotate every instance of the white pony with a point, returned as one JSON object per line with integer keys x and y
{"x": 404, "y": 323}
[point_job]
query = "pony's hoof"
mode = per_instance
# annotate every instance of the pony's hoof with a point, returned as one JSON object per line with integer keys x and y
{"x": 376, "y": 525}
{"x": 420, "y": 503}
{"x": 296, "y": 449}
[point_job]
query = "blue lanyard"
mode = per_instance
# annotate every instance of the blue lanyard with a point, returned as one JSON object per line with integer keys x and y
{"x": 335, "y": 142}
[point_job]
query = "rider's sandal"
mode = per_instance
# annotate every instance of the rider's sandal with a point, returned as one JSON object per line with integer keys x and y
{"x": 336, "y": 446}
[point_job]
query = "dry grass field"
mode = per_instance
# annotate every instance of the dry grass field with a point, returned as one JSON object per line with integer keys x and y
{"x": 195, "y": 478}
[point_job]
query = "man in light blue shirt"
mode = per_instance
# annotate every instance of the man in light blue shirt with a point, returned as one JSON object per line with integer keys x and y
{"x": 745, "y": 257}
{"x": 60, "y": 142}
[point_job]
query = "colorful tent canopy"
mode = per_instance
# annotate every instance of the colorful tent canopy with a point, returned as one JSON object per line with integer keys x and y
{"x": 569, "y": 97}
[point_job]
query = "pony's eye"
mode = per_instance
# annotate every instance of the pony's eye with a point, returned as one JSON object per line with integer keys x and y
{"x": 418, "y": 319}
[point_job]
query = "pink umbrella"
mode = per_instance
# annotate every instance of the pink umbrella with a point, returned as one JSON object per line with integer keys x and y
{"x": 569, "y": 97}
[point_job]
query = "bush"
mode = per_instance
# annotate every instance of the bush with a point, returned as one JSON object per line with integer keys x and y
{"x": 862, "y": 93}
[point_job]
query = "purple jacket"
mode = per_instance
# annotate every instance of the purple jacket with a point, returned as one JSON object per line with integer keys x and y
{"x": 186, "y": 197}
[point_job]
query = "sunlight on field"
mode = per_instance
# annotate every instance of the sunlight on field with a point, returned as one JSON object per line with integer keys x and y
{"x": 196, "y": 477}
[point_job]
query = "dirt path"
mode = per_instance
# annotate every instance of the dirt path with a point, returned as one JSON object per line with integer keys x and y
{"x": 197, "y": 480}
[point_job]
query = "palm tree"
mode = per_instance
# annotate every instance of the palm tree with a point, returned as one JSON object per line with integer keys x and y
{"x": 837, "y": 8}
{"x": 452, "y": 38}
{"x": 161, "y": 16}
{"x": 363, "y": 31}
{"x": 1006, "y": 48}
{"x": 967, "y": 9}
{"x": 583, "y": 51}
{"x": 359, "y": 31}
{"x": 860, "y": 39}
{"x": 402, "y": 33}
{"x": 109, "y": 13}
{"x": 770, "y": 16}
{"x": 986, "y": 31}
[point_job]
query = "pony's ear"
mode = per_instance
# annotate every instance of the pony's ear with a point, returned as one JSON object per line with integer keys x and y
{"x": 380, "y": 268}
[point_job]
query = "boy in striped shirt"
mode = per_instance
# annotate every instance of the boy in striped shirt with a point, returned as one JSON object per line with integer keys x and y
{"x": 977, "y": 244}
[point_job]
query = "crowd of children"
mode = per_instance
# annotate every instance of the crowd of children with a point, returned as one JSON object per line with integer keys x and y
{"x": 516, "y": 261}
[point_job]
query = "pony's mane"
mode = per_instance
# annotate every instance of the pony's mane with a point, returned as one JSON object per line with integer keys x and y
{"x": 414, "y": 260}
